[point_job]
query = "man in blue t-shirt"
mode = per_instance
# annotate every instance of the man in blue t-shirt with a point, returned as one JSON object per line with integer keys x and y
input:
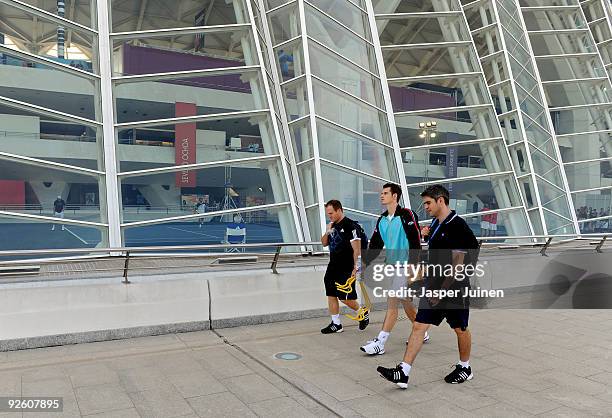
{"x": 397, "y": 230}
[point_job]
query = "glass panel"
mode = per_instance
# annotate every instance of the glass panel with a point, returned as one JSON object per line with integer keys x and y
{"x": 260, "y": 226}
{"x": 496, "y": 192}
{"x": 163, "y": 53}
{"x": 345, "y": 12}
{"x": 306, "y": 172}
{"x": 345, "y": 76}
{"x": 353, "y": 151}
{"x": 34, "y": 190}
{"x": 421, "y": 96}
{"x": 352, "y": 189}
{"x": 350, "y": 113}
{"x": 27, "y": 234}
{"x": 594, "y": 204}
{"x": 536, "y": 222}
{"x": 170, "y": 98}
{"x": 270, "y": 4}
{"x": 548, "y": 193}
{"x": 499, "y": 224}
{"x": 39, "y": 36}
{"x": 439, "y": 29}
{"x": 408, "y": 60}
{"x": 593, "y": 11}
{"x": 284, "y": 23}
{"x": 578, "y": 120}
{"x": 314, "y": 222}
{"x": 81, "y": 15}
{"x": 45, "y": 86}
{"x": 543, "y": 166}
{"x": 344, "y": 42}
{"x": 546, "y": 19}
{"x": 212, "y": 140}
{"x": 367, "y": 222}
{"x": 557, "y": 224}
{"x": 459, "y": 122}
{"x": 301, "y": 139}
{"x": 563, "y": 68}
{"x": 559, "y": 206}
{"x": 601, "y": 31}
{"x": 164, "y": 15}
{"x": 458, "y": 161}
{"x": 230, "y": 186}
{"x": 577, "y": 93}
{"x": 290, "y": 60}
{"x": 585, "y": 147}
{"x": 416, "y": 5}
{"x": 43, "y": 137}
{"x": 538, "y": 136}
{"x": 561, "y": 43}
{"x": 296, "y": 99}
{"x": 589, "y": 175}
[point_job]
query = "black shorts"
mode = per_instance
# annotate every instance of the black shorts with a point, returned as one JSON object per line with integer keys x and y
{"x": 333, "y": 275}
{"x": 456, "y": 311}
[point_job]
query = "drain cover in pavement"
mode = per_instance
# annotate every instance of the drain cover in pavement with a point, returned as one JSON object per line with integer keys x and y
{"x": 287, "y": 356}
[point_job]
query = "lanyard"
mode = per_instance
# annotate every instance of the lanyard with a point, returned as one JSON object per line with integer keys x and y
{"x": 435, "y": 230}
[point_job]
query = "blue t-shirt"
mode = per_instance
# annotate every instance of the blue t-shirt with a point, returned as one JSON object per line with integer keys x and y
{"x": 396, "y": 243}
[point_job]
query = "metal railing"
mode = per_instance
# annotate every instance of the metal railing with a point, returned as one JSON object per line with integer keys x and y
{"x": 238, "y": 254}
{"x": 219, "y": 253}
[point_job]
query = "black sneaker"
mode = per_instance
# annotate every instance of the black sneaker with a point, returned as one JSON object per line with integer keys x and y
{"x": 459, "y": 375}
{"x": 395, "y": 375}
{"x": 331, "y": 329}
{"x": 365, "y": 321}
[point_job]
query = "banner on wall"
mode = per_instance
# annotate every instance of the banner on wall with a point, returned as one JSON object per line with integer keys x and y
{"x": 452, "y": 155}
{"x": 185, "y": 145}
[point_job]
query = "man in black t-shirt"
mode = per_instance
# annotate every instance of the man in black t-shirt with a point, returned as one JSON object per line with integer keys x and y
{"x": 452, "y": 247}
{"x": 58, "y": 210}
{"x": 342, "y": 237}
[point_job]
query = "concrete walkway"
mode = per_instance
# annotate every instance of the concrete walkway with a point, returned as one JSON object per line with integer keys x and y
{"x": 526, "y": 362}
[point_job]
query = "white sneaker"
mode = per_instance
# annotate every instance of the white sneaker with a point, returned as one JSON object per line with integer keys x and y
{"x": 425, "y": 339}
{"x": 373, "y": 347}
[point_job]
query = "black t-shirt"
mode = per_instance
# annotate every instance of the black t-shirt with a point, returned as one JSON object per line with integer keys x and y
{"x": 340, "y": 249}
{"x": 58, "y": 205}
{"x": 452, "y": 234}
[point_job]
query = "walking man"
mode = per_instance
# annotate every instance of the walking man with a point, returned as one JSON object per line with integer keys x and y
{"x": 343, "y": 236}
{"x": 200, "y": 208}
{"x": 451, "y": 243}
{"x": 58, "y": 210}
{"x": 397, "y": 230}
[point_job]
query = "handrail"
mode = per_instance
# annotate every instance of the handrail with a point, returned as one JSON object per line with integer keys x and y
{"x": 119, "y": 250}
{"x": 306, "y": 249}
{"x": 164, "y": 248}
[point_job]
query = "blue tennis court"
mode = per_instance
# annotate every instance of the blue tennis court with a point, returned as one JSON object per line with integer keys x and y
{"x": 21, "y": 236}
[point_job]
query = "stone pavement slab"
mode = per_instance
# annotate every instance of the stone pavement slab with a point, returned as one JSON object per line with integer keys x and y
{"x": 525, "y": 362}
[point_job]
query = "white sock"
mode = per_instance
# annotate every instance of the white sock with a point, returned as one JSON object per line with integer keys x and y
{"x": 336, "y": 319}
{"x": 406, "y": 368}
{"x": 426, "y": 335}
{"x": 464, "y": 363}
{"x": 382, "y": 336}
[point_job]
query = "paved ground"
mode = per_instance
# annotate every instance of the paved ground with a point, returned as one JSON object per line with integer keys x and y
{"x": 526, "y": 362}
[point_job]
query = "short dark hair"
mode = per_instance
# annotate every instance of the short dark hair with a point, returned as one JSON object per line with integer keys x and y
{"x": 395, "y": 189}
{"x": 436, "y": 191}
{"x": 334, "y": 204}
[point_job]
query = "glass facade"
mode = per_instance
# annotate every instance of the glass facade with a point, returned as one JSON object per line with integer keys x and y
{"x": 136, "y": 123}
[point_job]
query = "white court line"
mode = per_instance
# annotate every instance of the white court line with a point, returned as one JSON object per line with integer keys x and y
{"x": 76, "y": 236}
{"x": 193, "y": 232}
